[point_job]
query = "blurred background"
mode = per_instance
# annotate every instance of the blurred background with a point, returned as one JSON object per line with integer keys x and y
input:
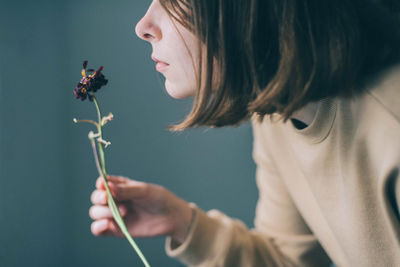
{"x": 47, "y": 170}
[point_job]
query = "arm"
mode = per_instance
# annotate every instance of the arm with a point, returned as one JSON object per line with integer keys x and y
{"x": 280, "y": 237}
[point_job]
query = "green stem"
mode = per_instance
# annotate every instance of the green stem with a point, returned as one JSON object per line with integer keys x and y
{"x": 100, "y": 131}
{"x": 100, "y": 164}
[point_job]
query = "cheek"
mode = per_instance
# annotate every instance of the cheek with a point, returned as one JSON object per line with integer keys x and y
{"x": 180, "y": 78}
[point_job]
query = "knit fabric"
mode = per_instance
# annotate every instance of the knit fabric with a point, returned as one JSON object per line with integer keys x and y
{"x": 328, "y": 192}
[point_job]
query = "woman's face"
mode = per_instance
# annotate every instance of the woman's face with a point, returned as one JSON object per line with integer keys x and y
{"x": 174, "y": 50}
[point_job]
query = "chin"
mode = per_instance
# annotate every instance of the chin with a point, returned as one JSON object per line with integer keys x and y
{"x": 177, "y": 93}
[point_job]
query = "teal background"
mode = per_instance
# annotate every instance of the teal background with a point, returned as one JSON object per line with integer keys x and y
{"x": 47, "y": 171}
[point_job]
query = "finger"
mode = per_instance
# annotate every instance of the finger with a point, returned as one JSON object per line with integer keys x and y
{"x": 105, "y": 227}
{"x": 113, "y": 229}
{"x": 98, "y": 227}
{"x": 131, "y": 190}
{"x": 118, "y": 179}
{"x": 99, "y": 183}
{"x": 103, "y": 212}
{"x": 110, "y": 178}
{"x": 99, "y": 197}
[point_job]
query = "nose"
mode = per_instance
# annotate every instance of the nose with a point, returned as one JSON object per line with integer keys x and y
{"x": 147, "y": 28}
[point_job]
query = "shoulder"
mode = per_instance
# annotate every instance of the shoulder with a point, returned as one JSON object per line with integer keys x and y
{"x": 384, "y": 90}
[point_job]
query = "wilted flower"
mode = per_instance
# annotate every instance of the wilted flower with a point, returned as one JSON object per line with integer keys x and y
{"x": 89, "y": 83}
{"x": 87, "y": 88}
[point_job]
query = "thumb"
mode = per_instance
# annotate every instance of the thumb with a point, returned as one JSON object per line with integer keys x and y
{"x": 131, "y": 190}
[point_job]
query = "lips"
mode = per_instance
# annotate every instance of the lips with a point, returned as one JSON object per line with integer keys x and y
{"x": 161, "y": 65}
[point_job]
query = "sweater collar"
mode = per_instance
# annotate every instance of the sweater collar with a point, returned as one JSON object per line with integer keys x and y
{"x": 322, "y": 122}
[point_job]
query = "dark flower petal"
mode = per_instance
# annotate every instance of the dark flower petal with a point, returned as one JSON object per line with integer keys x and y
{"x": 89, "y": 83}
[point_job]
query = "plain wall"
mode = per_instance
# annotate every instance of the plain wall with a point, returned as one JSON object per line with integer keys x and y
{"x": 47, "y": 170}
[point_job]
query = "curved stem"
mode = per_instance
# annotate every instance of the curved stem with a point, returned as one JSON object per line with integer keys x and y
{"x": 100, "y": 164}
{"x": 100, "y": 131}
{"x": 114, "y": 208}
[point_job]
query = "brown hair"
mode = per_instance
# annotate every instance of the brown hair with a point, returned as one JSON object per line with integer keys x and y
{"x": 275, "y": 56}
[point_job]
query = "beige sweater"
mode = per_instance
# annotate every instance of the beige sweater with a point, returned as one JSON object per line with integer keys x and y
{"x": 328, "y": 192}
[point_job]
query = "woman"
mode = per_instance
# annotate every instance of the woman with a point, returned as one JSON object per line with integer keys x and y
{"x": 320, "y": 81}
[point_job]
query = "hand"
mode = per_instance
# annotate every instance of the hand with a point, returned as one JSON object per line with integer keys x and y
{"x": 149, "y": 210}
